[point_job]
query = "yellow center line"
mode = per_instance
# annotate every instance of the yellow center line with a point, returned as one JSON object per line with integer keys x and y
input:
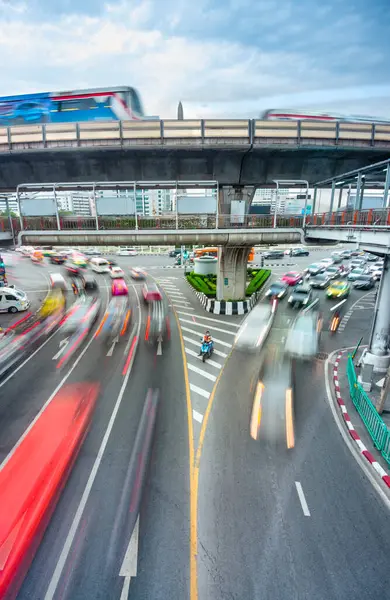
{"x": 193, "y": 482}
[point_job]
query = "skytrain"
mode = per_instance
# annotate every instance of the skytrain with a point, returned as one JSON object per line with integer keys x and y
{"x": 280, "y": 114}
{"x": 98, "y": 104}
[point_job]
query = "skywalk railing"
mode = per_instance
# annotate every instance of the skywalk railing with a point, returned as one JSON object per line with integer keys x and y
{"x": 195, "y": 132}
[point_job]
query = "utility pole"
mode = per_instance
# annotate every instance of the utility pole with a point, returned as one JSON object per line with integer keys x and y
{"x": 384, "y": 393}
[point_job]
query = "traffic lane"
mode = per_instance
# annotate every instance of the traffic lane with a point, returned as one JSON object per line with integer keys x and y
{"x": 358, "y": 324}
{"x": 254, "y": 539}
{"x": 94, "y": 367}
{"x": 164, "y": 509}
{"x": 239, "y": 515}
{"x": 348, "y": 520}
{"x": 163, "y": 561}
{"x": 28, "y": 386}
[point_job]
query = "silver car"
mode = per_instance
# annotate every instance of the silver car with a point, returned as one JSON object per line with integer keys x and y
{"x": 255, "y": 328}
{"x": 303, "y": 338}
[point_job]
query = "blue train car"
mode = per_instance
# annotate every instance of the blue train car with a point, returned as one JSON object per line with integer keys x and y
{"x": 99, "y": 104}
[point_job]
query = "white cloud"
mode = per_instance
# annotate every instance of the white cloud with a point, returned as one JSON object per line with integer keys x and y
{"x": 123, "y": 46}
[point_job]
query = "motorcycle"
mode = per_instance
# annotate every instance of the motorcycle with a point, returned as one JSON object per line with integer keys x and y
{"x": 206, "y": 350}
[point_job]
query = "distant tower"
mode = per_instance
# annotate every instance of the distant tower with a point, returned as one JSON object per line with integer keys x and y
{"x": 180, "y": 116}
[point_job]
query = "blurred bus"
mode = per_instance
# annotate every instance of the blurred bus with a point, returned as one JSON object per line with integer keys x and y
{"x": 74, "y": 106}
{"x": 213, "y": 251}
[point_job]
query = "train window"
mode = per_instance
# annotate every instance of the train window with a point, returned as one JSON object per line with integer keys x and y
{"x": 78, "y": 104}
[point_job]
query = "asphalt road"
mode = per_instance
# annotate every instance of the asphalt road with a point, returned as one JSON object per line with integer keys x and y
{"x": 163, "y": 550}
{"x": 255, "y": 536}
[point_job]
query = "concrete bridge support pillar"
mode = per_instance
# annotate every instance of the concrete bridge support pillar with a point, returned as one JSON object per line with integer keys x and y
{"x": 377, "y": 356}
{"x": 232, "y": 272}
{"x": 240, "y": 195}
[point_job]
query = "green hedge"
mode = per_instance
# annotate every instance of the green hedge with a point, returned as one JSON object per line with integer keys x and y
{"x": 203, "y": 283}
{"x": 258, "y": 281}
{"x": 207, "y": 284}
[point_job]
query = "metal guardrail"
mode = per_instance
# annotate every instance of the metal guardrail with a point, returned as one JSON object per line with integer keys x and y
{"x": 139, "y": 222}
{"x": 373, "y": 217}
{"x": 193, "y": 132}
{"x": 374, "y": 423}
{"x": 366, "y": 219}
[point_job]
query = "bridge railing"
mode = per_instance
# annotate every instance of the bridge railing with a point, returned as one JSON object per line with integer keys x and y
{"x": 344, "y": 218}
{"x": 379, "y": 217}
{"x": 201, "y": 132}
{"x": 139, "y": 222}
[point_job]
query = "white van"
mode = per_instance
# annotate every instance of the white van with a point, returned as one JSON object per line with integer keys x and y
{"x": 13, "y": 300}
{"x": 99, "y": 265}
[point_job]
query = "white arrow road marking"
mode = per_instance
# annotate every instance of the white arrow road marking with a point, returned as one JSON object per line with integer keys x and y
{"x": 159, "y": 345}
{"x": 63, "y": 345}
{"x": 111, "y": 350}
{"x": 380, "y": 383}
{"x": 129, "y": 565}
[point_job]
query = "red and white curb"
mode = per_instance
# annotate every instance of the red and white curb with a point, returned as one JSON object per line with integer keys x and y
{"x": 352, "y": 431}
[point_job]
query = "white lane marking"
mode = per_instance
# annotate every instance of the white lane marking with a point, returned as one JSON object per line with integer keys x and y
{"x": 63, "y": 345}
{"x": 302, "y": 499}
{"x": 347, "y": 316}
{"x": 59, "y": 386}
{"x": 209, "y": 360}
{"x": 159, "y": 345}
{"x": 194, "y": 343}
{"x": 200, "y": 391}
{"x": 169, "y": 287}
{"x": 200, "y": 334}
{"x": 201, "y": 372}
{"x": 208, "y": 319}
{"x": 213, "y": 328}
{"x": 130, "y": 561}
{"x": 51, "y": 591}
{"x": 183, "y": 305}
{"x": 197, "y": 416}
{"x": 111, "y": 350}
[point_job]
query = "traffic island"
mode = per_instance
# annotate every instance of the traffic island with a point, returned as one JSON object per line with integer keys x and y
{"x": 204, "y": 287}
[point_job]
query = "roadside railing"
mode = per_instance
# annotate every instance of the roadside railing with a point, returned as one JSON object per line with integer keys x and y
{"x": 374, "y": 423}
{"x": 201, "y": 132}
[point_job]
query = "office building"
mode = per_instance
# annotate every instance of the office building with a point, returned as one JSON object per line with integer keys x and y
{"x": 267, "y": 196}
{"x": 81, "y": 205}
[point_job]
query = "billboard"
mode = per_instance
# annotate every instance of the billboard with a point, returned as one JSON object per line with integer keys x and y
{"x": 115, "y": 205}
{"x": 195, "y": 205}
{"x": 39, "y": 207}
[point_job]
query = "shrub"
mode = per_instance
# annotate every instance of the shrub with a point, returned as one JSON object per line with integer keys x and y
{"x": 207, "y": 284}
{"x": 258, "y": 281}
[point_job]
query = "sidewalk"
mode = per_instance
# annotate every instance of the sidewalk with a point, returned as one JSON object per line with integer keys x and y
{"x": 352, "y": 419}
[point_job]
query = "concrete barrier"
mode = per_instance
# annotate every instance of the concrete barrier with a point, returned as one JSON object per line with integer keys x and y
{"x": 32, "y": 479}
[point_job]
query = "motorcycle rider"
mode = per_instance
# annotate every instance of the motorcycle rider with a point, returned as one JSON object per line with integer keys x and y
{"x": 206, "y": 340}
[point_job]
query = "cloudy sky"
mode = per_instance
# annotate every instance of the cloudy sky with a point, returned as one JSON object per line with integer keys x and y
{"x": 220, "y": 57}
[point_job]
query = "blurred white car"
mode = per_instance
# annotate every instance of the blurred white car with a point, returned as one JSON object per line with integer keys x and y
{"x": 117, "y": 273}
{"x": 255, "y": 328}
{"x": 303, "y": 338}
{"x": 127, "y": 252}
{"x": 27, "y": 250}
